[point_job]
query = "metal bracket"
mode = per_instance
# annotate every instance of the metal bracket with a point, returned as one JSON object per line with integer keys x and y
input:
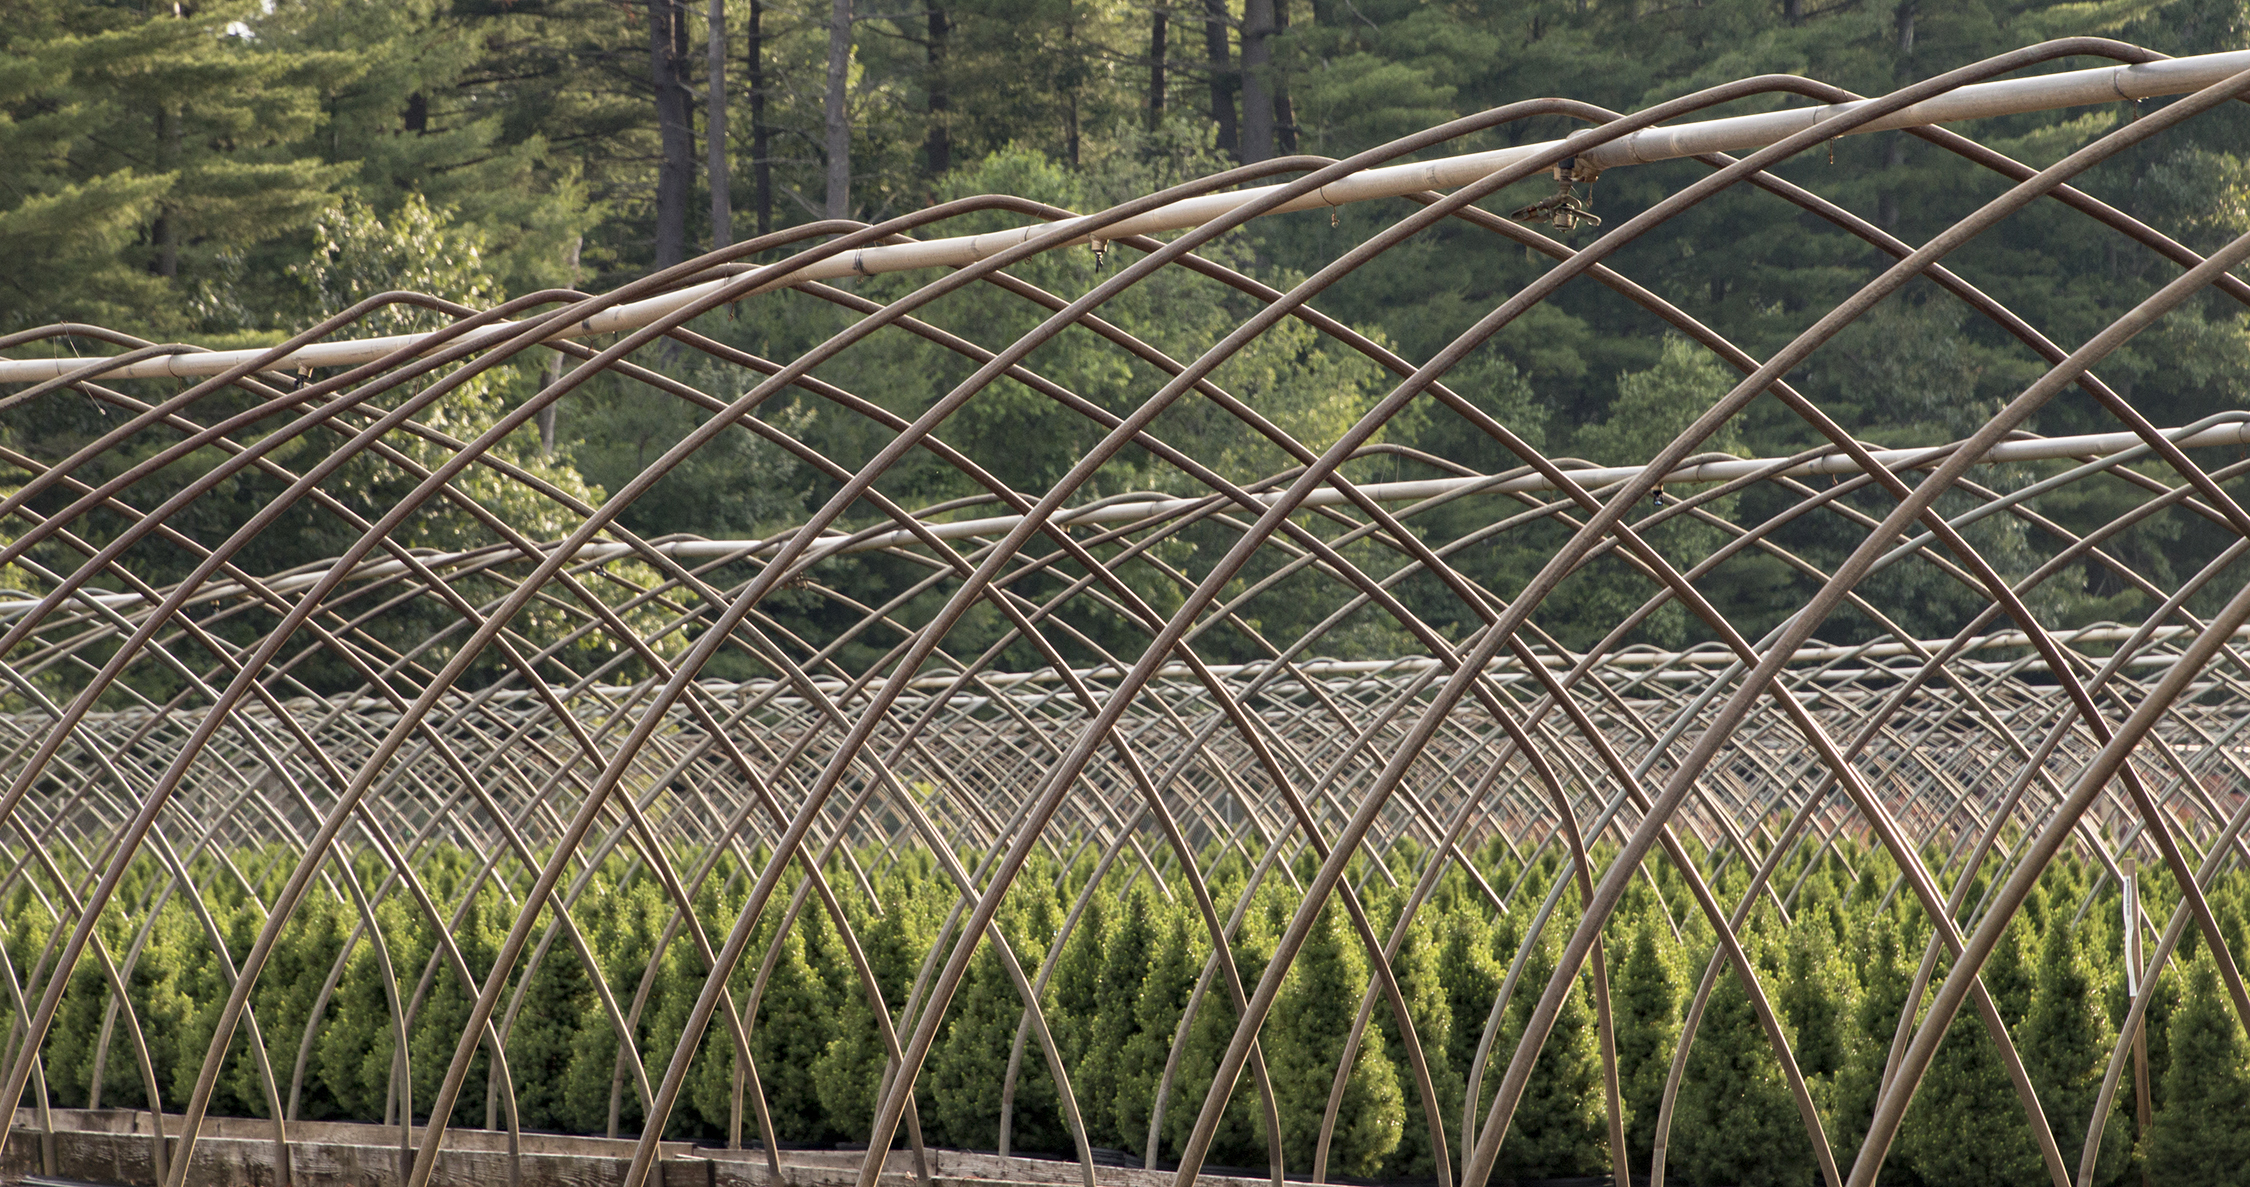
{"x": 1565, "y": 210}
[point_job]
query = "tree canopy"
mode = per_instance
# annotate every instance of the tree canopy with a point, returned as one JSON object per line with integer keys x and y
{"x": 224, "y": 173}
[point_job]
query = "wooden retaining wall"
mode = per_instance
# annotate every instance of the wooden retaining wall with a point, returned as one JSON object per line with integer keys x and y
{"x": 119, "y": 1147}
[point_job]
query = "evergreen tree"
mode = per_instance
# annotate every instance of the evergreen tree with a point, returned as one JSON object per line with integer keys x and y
{"x": 626, "y": 923}
{"x": 1311, "y": 1021}
{"x": 2164, "y": 1004}
{"x": 2197, "y": 1138}
{"x": 968, "y": 1066}
{"x": 1651, "y": 994}
{"x": 1964, "y": 1125}
{"x": 1075, "y": 987}
{"x": 1559, "y": 1128}
{"x": 420, "y": 122}
{"x": 1735, "y": 1120}
{"x": 1819, "y": 997}
{"x": 75, "y": 1035}
{"x": 1878, "y": 953}
{"x": 559, "y": 1003}
{"x": 2066, "y": 1044}
{"x": 1418, "y": 969}
{"x": 144, "y": 143}
{"x": 445, "y": 1008}
{"x": 1158, "y": 1003}
{"x": 1124, "y": 963}
{"x": 848, "y": 1075}
{"x": 354, "y": 1049}
{"x": 1838, "y": 975}
{"x": 796, "y": 1022}
{"x": 1471, "y": 976}
{"x": 1240, "y": 1139}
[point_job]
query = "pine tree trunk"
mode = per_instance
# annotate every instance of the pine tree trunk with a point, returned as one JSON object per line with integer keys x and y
{"x": 1284, "y": 112}
{"x": 839, "y": 198}
{"x": 937, "y": 144}
{"x": 1222, "y": 74}
{"x": 1156, "y": 34}
{"x": 687, "y": 98}
{"x": 1070, "y": 108}
{"x": 672, "y": 132}
{"x": 715, "y": 131}
{"x": 761, "y": 171}
{"x": 1257, "y": 81}
{"x": 166, "y": 233}
{"x": 545, "y": 417}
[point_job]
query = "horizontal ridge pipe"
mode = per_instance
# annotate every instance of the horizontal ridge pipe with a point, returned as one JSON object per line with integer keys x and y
{"x": 2016, "y": 96}
{"x": 2231, "y": 432}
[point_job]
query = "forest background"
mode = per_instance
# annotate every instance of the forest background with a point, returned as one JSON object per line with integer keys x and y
{"x": 230, "y": 171}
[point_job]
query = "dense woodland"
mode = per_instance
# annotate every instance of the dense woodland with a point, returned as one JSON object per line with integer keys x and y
{"x": 224, "y": 172}
{"x": 1836, "y": 942}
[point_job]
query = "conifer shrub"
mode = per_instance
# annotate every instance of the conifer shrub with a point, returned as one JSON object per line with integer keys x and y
{"x": 1651, "y": 995}
{"x": 1838, "y": 969}
{"x": 2199, "y": 1138}
{"x": 1418, "y": 967}
{"x": 1737, "y": 1121}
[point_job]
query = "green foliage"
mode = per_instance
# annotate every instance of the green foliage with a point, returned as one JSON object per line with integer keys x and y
{"x": 796, "y": 1023}
{"x": 1240, "y": 1139}
{"x": 558, "y": 1002}
{"x": 1559, "y": 1126}
{"x": 1420, "y": 970}
{"x": 2066, "y": 1042}
{"x": 1837, "y": 973}
{"x": 232, "y": 171}
{"x": 1884, "y": 961}
{"x": 1471, "y": 975}
{"x": 1651, "y": 993}
{"x": 139, "y": 136}
{"x": 1109, "y": 959}
{"x": 1736, "y": 1120}
{"x": 1179, "y": 950}
{"x": 2197, "y": 1139}
{"x": 1945, "y": 1138}
{"x": 848, "y": 1074}
{"x": 1311, "y": 1021}
{"x": 968, "y": 1068}
{"x": 1656, "y": 405}
{"x": 1819, "y": 994}
{"x": 358, "y": 253}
